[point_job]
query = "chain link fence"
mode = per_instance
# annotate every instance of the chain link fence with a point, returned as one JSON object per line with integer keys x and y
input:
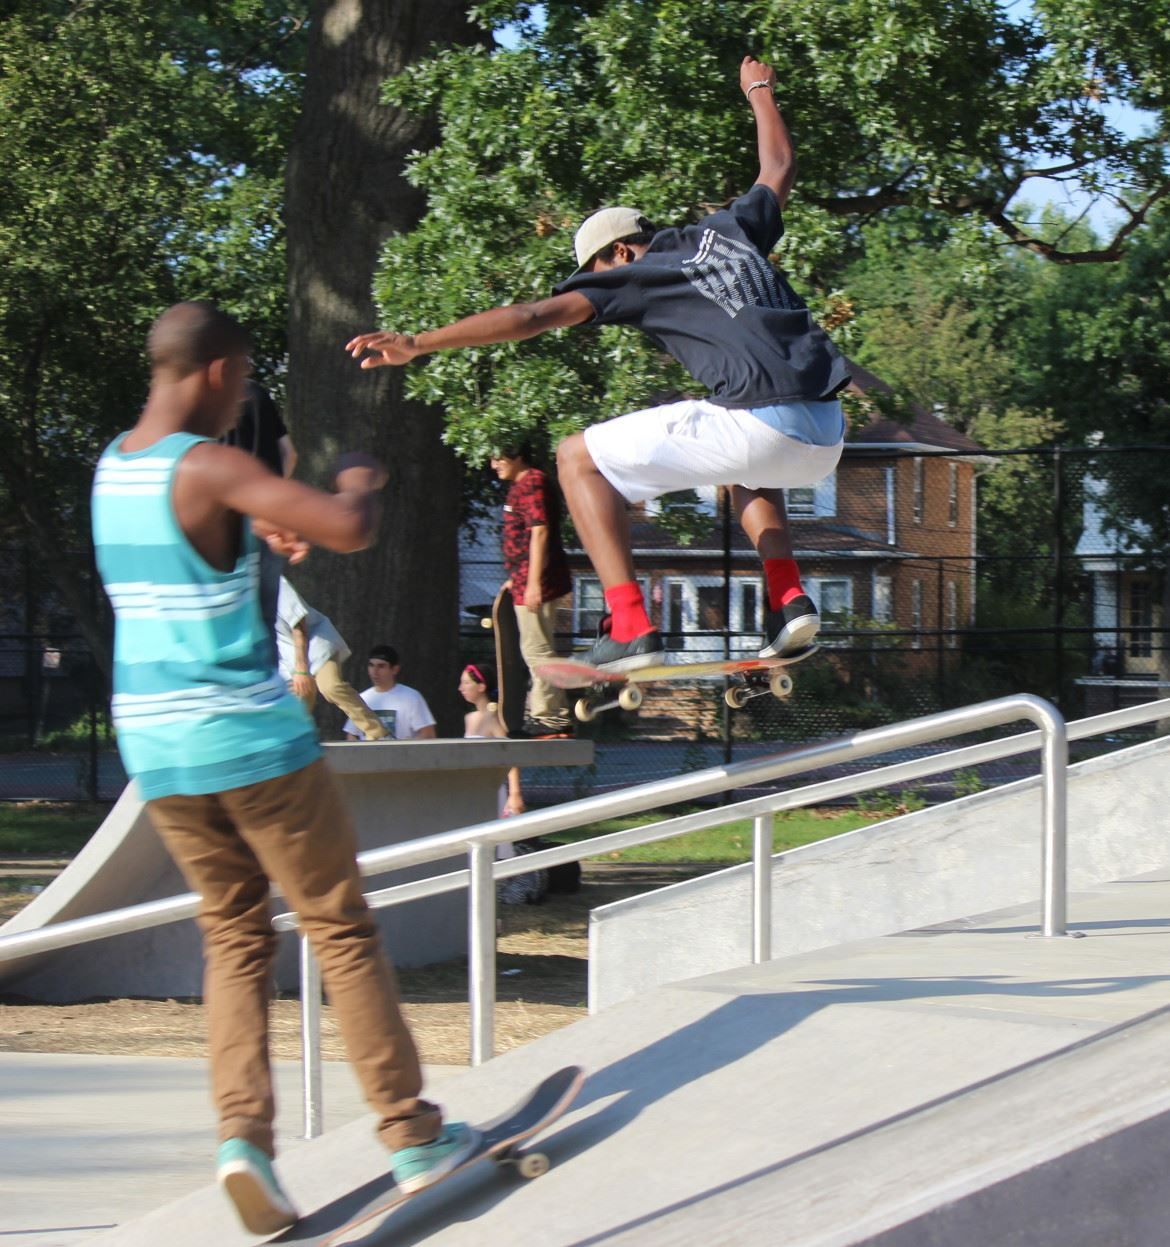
{"x": 943, "y": 578}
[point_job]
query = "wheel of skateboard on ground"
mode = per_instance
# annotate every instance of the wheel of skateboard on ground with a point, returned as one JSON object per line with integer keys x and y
{"x": 532, "y": 1164}
{"x": 780, "y": 684}
{"x": 630, "y": 698}
{"x": 736, "y": 696}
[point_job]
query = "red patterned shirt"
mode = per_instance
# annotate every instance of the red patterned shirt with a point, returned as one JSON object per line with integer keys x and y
{"x": 533, "y": 500}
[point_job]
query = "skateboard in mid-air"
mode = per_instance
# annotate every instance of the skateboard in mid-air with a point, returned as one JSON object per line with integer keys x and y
{"x": 511, "y": 670}
{"x": 501, "y": 1141}
{"x": 750, "y": 677}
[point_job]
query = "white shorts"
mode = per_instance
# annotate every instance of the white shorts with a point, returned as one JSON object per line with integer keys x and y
{"x": 695, "y": 442}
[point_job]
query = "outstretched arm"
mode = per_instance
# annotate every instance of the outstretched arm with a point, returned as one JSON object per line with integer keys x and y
{"x": 777, "y": 160}
{"x": 501, "y": 324}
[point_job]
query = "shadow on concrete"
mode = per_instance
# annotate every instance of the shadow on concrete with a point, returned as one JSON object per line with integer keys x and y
{"x": 612, "y": 1118}
{"x": 744, "y": 1024}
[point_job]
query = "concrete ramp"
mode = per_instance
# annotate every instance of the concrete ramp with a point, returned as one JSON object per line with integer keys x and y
{"x": 974, "y": 854}
{"x": 390, "y": 793}
{"x": 964, "y": 1086}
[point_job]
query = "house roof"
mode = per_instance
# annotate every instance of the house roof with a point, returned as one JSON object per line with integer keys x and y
{"x": 924, "y": 429}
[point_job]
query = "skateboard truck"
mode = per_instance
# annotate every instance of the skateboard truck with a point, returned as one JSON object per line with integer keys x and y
{"x": 628, "y": 698}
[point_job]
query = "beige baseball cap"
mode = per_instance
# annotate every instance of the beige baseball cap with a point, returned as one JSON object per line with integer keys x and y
{"x": 605, "y": 227}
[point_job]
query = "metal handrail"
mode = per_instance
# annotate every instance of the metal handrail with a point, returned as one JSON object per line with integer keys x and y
{"x": 1052, "y": 738}
{"x": 542, "y": 822}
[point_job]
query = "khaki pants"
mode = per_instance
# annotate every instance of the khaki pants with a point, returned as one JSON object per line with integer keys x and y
{"x": 295, "y": 831}
{"x": 336, "y": 690}
{"x": 537, "y": 629}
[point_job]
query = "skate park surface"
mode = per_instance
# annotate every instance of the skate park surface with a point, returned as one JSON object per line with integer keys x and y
{"x": 960, "y": 1084}
{"x": 965, "y": 1084}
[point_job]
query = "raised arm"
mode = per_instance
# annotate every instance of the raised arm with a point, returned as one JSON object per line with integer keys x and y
{"x": 777, "y": 160}
{"x": 501, "y": 324}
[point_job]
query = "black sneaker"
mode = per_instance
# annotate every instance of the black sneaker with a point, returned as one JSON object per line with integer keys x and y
{"x": 610, "y": 655}
{"x": 792, "y": 628}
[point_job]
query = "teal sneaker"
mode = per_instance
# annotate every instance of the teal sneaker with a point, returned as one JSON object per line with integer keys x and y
{"x": 416, "y": 1167}
{"x": 246, "y": 1175}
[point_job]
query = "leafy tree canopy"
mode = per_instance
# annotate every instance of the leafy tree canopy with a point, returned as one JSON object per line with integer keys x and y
{"x": 942, "y": 109}
{"x": 142, "y": 147}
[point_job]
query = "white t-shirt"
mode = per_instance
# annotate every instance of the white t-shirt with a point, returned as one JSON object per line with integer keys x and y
{"x": 401, "y": 709}
{"x": 324, "y": 640}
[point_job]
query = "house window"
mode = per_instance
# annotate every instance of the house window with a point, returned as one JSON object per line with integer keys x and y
{"x": 918, "y": 489}
{"x": 952, "y": 614}
{"x": 916, "y": 614}
{"x": 883, "y": 599}
{"x": 813, "y": 501}
{"x": 833, "y": 597}
{"x": 801, "y": 501}
{"x": 711, "y": 602}
{"x": 1141, "y": 615}
{"x": 953, "y": 498}
{"x": 747, "y": 624}
{"x": 589, "y": 603}
{"x": 673, "y": 614}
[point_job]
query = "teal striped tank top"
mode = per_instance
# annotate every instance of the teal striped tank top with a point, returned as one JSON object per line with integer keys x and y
{"x": 197, "y": 704}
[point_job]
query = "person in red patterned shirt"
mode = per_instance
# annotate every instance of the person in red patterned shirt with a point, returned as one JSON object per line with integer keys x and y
{"x": 538, "y": 574}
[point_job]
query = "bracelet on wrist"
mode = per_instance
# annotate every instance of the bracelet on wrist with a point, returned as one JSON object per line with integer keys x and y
{"x": 300, "y": 673}
{"x": 761, "y": 83}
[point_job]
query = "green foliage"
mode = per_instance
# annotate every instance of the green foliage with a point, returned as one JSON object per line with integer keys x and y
{"x": 142, "y": 150}
{"x": 940, "y": 109}
{"x": 968, "y": 782}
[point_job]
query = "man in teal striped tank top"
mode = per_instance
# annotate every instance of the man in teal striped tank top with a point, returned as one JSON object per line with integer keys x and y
{"x": 227, "y": 758}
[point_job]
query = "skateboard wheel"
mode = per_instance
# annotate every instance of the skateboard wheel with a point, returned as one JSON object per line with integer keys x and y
{"x": 485, "y": 622}
{"x": 630, "y": 698}
{"x": 780, "y": 683}
{"x": 736, "y": 696}
{"x": 532, "y": 1165}
{"x": 584, "y": 710}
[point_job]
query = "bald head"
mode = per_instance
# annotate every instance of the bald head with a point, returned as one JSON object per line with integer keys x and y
{"x": 189, "y": 336}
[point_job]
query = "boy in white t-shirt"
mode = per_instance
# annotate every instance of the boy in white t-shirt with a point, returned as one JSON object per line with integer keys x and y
{"x": 402, "y": 710}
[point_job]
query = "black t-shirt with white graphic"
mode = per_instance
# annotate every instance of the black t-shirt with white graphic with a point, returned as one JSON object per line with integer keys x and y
{"x": 708, "y": 296}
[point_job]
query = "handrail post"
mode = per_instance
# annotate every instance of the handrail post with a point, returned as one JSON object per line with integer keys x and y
{"x": 481, "y": 960}
{"x": 762, "y": 839}
{"x": 1054, "y": 815}
{"x": 311, "y": 1040}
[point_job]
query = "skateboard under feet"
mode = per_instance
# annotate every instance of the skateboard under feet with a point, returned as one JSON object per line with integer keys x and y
{"x": 501, "y": 1142}
{"x": 749, "y": 678}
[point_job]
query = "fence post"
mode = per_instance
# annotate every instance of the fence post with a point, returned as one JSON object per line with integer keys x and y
{"x": 1058, "y": 573}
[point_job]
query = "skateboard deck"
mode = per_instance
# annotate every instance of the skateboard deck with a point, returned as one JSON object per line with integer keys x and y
{"x": 500, "y": 1142}
{"x": 511, "y": 671}
{"x": 750, "y": 677}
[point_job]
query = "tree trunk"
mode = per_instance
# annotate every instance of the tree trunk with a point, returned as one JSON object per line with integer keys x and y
{"x": 346, "y": 195}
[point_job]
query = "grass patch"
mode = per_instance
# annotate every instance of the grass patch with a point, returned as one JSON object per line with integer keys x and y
{"x": 728, "y": 843}
{"x": 47, "y": 828}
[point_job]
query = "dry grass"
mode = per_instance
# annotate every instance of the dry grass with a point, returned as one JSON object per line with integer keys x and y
{"x": 541, "y": 987}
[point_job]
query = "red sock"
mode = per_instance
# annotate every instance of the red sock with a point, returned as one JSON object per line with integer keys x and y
{"x": 783, "y": 579}
{"x": 629, "y": 611}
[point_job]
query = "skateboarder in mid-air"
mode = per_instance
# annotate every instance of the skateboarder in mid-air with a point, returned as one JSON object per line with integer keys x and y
{"x": 707, "y": 294}
{"x": 226, "y": 757}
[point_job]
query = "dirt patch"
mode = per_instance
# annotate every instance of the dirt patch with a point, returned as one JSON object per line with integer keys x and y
{"x": 542, "y": 953}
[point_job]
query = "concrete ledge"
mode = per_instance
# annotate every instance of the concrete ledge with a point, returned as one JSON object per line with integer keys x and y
{"x": 393, "y": 793}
